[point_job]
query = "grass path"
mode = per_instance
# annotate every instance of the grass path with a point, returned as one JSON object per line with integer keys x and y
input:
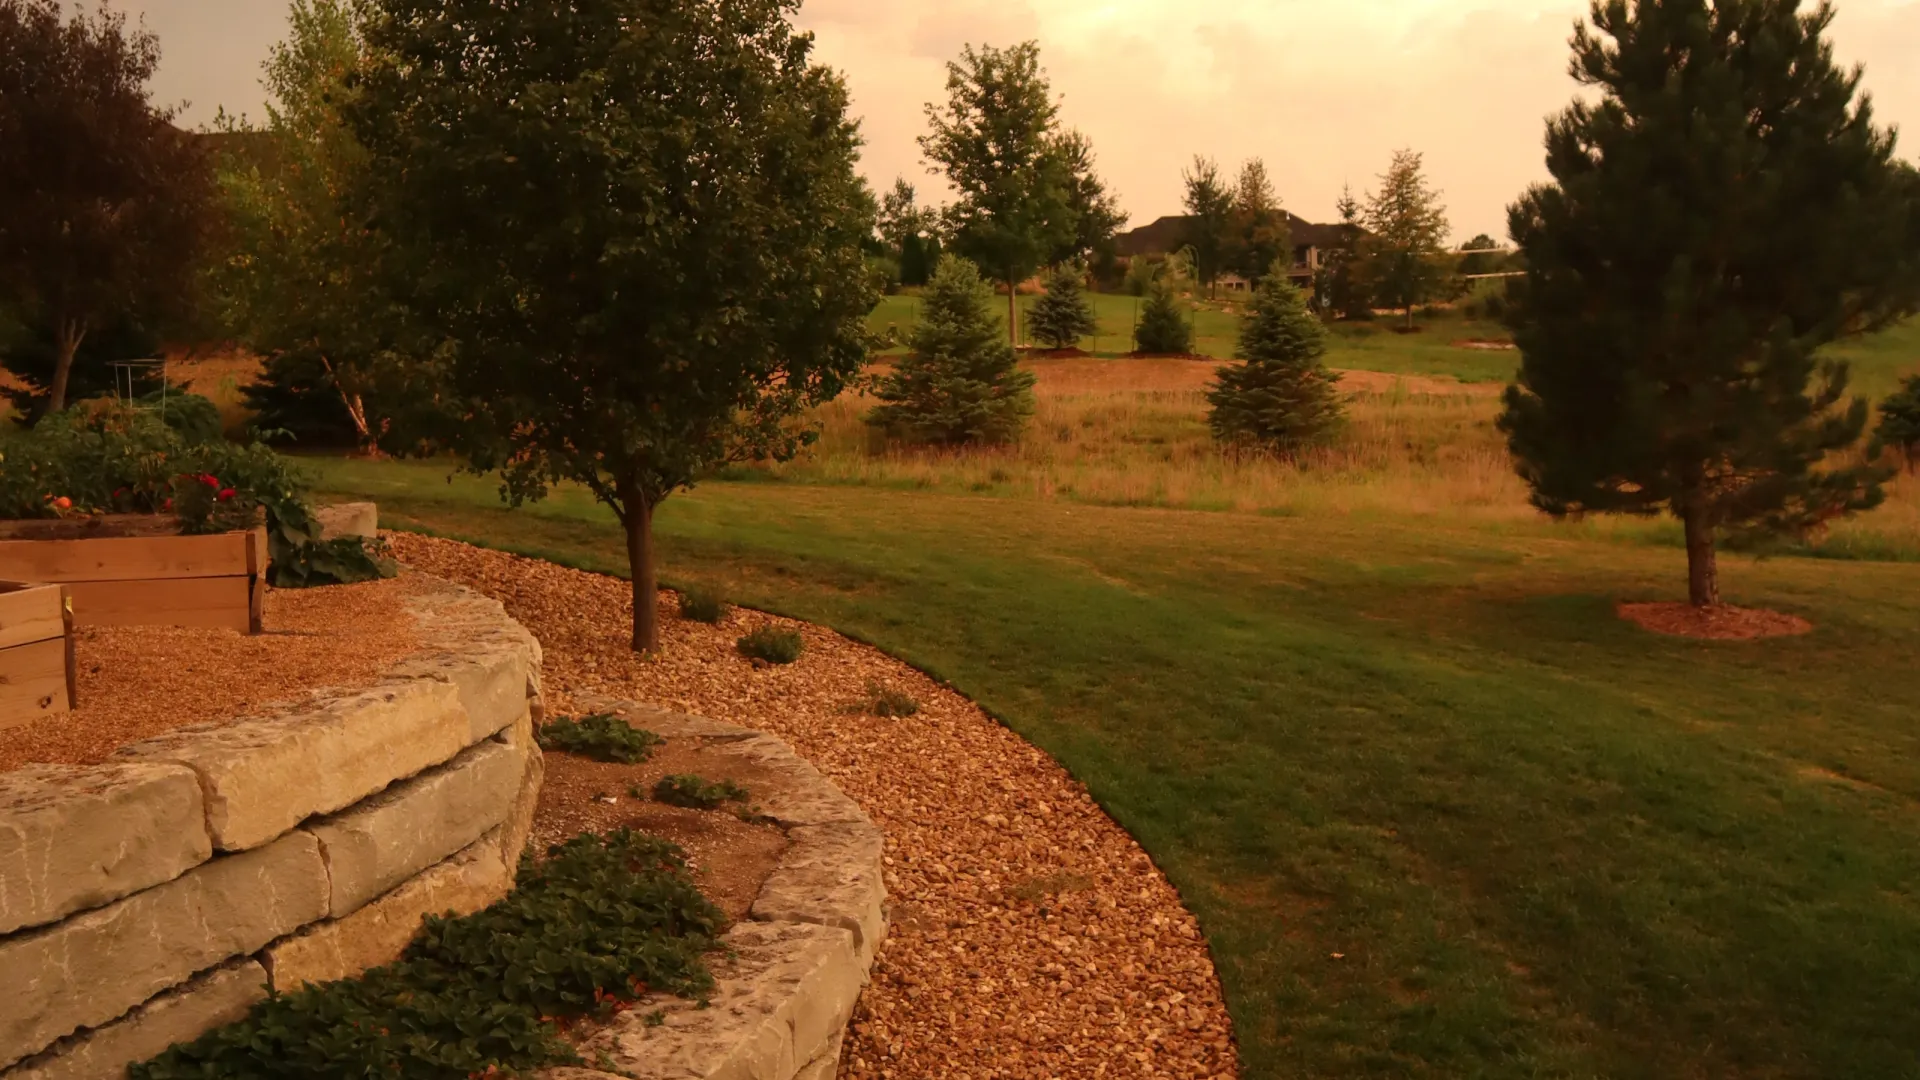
{"x": 1439, "y": 813}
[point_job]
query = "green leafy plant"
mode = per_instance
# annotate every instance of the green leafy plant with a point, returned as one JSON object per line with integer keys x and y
{"x": 773, "y": 645}
{"x": 600, "y": 736}
{"x": 1899, "y": 426}
{"x": 885, "y": 701}
{"x": 702, "y": 605}
{"x": 598, "y": 923}
{"x": 696, "y": 794}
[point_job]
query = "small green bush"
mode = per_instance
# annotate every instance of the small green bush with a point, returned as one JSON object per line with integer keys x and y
{"x": 696, "y": 794}
{"x": 1164, "y": 329}
{"x": 960, "y": 381}
{"x": 702, "y": 605}
{"x": 884, "y": 701}
{"x": 773, "y": 645}
{"x": 599, "y": 923}
{"x": 600, "y": 736}
{"x": 1899, "y": 426}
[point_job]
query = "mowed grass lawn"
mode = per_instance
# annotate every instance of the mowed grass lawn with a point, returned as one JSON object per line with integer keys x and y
{"x": 1440, "y": 813}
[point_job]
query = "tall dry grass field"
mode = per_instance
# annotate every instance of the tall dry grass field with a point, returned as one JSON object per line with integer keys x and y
{"x": 1134, "y": 433}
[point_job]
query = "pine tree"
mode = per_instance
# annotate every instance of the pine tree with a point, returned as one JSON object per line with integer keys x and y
{"x": 1280, "y": 397}
{"x": 1343, "y": 287}
{"x": 1063, "y": 316}
{"x": 1209, "y": 232}
{"x": 1719, "y": 211}
{"x": 1900, "y": 421}
{"x": 1261, "y": 236}
{"x": 1163, "y": 329}
{"x": 960, "y": 381}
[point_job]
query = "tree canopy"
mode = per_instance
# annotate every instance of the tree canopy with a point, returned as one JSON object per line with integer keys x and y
{"x": 105, "y": 205}
{"x": 1260, "y": 237}
{"x": 1406, "y": 247}
{"x": 959, "y": 382}
{"x": 1280, "y": 398}
{"x": 1209, "y": 205}
{"x": 1721, "y": 208}
{"x": 644, "y": 250}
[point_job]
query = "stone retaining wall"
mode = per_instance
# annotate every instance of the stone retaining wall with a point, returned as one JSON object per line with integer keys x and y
{"x": 149, "y": 899}
{"x": 791, "y": 971}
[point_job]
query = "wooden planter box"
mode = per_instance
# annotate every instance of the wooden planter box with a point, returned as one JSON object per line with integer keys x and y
{"x": 36, "y": 653}
{"x": 154, "y": 579}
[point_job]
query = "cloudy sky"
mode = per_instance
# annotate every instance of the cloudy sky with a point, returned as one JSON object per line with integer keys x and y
{"x": 1324, "y": 91}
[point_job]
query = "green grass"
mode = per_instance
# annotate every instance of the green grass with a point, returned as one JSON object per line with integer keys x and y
{"x": 1544, "y": 843}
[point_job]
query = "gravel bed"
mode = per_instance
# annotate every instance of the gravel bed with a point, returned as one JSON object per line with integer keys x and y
{"x": 1031, "y": 936}
{"x": 140, "y": 681}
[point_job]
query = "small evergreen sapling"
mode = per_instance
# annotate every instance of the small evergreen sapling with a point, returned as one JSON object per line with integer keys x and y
{"x": 960, "y": 381}
{"x": 1063, "y": 316}
{"x": 1163, "y": 328}
{"x": 1280, "y": 397}
{"x": 1900, "y": 421}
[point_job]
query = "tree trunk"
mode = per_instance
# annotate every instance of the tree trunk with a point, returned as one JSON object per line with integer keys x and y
{"x": 646, "y": 585}
{"x": 1013, "y": 314}
{"x": 356, "y": 411}
{"x": 1703, "y": 566}
{"x": 66, "y": 344}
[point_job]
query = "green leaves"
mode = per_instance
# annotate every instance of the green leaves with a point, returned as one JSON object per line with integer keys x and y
{"x": 601, "y": 736}
{"x": 1280, "y": 398}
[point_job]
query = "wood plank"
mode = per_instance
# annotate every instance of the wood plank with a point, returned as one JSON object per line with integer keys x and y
{"x": 210, "y": 602}
{"x": 33, "y": 682}
{"x": 257, "y": 556}
{"x": 73, "y": 662}
{"x": 131, "y": 558}
{"x": 29, "y": 614}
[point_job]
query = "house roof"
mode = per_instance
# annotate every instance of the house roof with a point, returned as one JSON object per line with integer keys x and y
{"x": 1169, "y": 233}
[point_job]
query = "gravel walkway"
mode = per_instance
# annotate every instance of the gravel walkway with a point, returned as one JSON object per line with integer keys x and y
{"x": 1031, "y": 936}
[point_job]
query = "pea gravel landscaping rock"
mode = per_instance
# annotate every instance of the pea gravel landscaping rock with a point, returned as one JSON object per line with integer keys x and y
{"x": 1031, "y": 936}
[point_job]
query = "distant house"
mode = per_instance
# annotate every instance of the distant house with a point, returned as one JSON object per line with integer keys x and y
{"x": 1169, "y": 234}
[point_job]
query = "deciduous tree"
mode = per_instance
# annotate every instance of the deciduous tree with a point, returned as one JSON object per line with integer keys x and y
{"x": 997, "y": 140}
{"x": 105, "y": 205}
{"x": 638, "y": 225}
{"x": 1097, "y": 216}
{"x": 1408, "y": 230}
{"x": 1721, "y": 207}
{"x": 1280, "y": 397}
{"x": 1261, "y": 237}
{"x": 1209, "y": 231}
{"x": 958, "y": 383}
{"x": 1343, "y": 286}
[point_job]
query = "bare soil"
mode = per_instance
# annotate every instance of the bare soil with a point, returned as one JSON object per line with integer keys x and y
{"x": 731, "y": 857}
{"x": 100, "y": 527}
{"x": 136, "y": 682}
{"x": 1721, "y": 623}
{"x": 1031, "y": 936}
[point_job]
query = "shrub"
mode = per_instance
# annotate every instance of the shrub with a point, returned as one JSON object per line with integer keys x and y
{"x": 194, "y": 418}
{"x": 597, "y": 924}
{"x": 960, "y": 381}
{"x": 1163, "y": 325}
{"x": 1280, "y": 397}
{"x": 773, "y": 645}
{"x": 1063, "y": 316}
{"x": 600, "y": 736}
{"x": 884, "y": 701}
{"x": 702, "y": 605}
{"x": 1900, "y": 421}
{"x": 696, "y": 794}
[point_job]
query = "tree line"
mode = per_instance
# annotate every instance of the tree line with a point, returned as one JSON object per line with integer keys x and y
{"x": 478, "y": 228}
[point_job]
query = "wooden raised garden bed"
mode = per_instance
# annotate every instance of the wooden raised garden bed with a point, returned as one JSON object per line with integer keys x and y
{"x": 36, "y": 653}
{"x": 135, "y": 572}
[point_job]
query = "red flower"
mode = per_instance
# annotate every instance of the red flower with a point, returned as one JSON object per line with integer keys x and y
{"x": 210, "y": 480}
{"x": 225, "y": 494}
{"x": 167, "y": 507}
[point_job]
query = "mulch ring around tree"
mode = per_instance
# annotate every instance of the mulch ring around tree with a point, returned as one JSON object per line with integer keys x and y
{"x": 1055, "y": 354}
{"x": 1722, "y": 622}
{"x": 1031, "y": 936}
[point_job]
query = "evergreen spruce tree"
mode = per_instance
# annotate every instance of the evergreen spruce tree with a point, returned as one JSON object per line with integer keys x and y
{"x": 1900, "y": 421}
{"x": 1163, "y": 328}
{"x": 1280, "y": 397}
{"x": 1063, "y": 316}
{"x": 1719, "y": 211}
{"x": 960, "y": 381}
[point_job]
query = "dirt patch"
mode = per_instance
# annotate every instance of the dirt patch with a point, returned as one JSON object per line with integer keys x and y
{"x": 1055, "y": 354}
{"x": 1032, "y": 937}
{"x": 1720, "y": 623}
{"x": 1171, "y": 356}
{"x": 1484, "y": 344}
{"x": 731, "y": 857}
{"x": 99, "y": 527}
{"x": 140, "y": 681}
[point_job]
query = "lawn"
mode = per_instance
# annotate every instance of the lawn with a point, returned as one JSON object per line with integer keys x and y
{"x": 1440, "y": 813}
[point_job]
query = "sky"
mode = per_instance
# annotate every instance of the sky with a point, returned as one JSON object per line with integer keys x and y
{"x": 1323, "y": 90}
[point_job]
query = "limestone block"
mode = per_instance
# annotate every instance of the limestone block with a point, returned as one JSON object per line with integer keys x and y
{"x": 409, "y": 827}
{"x": 262, "y": 777}
{"x": 378, "y": 933}
{"x": 491, "y": 681}
{"x": 218, "y": 997}
{"x": 347, "y": 519}
{"x": 93, "y": 967}
{"x": 75, "y": 838}
{"x": 795, "y": 793}
{"x": 777, "y": 1006}
{"x": 830, "y": 875}
{"x": 518, "y": 828}
{"x": 827, "y": 1065}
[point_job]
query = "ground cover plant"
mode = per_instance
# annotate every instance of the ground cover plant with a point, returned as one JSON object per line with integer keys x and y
{"x": 596, "y": 923}
{"x": 773, "y": 645}
{"x": 600, "y": 736}
{"x": 702, "y": 605}
{"x": 1541, "y": 840}
{"x": 695, "y": 793}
